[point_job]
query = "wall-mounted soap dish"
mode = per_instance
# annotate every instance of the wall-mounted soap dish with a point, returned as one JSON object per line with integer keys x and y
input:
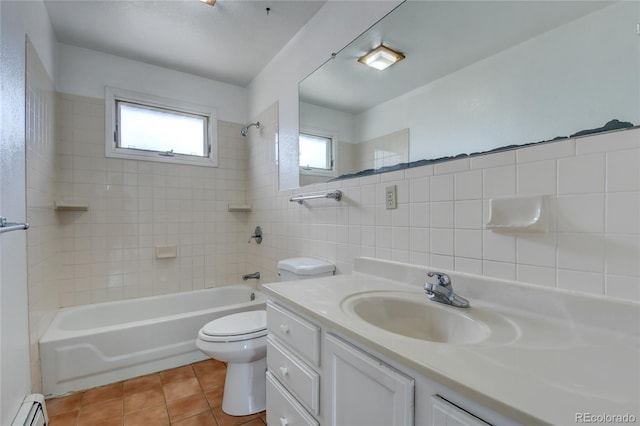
{"x": 518, "y": 214}
{"x": 237, "y": 207}
{"x": 70, "y": 206}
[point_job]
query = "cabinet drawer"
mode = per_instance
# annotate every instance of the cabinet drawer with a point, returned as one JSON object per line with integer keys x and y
{"x": 299, "y": 334}
{"x": 298, "y": 378}
{"x": 282, "y": 409}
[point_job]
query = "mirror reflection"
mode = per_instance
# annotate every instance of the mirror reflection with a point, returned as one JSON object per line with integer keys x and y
{"x": 476, "y": 77}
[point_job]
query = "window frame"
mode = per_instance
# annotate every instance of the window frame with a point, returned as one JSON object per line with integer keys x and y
{"x": 326, "y": 134}
{"x": 112, "y": 150}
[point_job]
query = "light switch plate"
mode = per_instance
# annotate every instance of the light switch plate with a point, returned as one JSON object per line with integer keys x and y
{"x": 390, "y": 197}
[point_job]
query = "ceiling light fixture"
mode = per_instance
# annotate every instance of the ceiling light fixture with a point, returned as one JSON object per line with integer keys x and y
{"x": 209, "y": 2}
{"x": 381, "y": 57}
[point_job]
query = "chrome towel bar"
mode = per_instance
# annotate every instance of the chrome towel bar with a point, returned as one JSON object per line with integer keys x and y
{"x": 336, "y": 195}
{"x": 10, "y": 226}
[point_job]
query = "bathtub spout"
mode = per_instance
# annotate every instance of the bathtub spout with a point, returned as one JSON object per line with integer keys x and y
{"x": 254, "y": 276}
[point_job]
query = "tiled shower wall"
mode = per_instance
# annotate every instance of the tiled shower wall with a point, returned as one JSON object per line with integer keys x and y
{"x": 592, "y": 184}
{"x": 107, "y": 252}
{"x": 43, "y": 234}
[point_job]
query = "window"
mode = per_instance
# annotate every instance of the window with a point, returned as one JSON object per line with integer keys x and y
{"x": 316, "y": 154}
{"x": 145, "y": 127}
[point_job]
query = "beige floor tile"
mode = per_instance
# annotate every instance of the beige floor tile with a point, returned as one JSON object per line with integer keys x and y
{"x": 226, "y": 420}
{"x": 154, "y": 416}
{"x": 91, "y": 414}
{"x": 63, "y": 404}
{"x": 176, "y": 374}
{"x": 142, "y": 384}
{"x": 181, "y": 389}
{"x": 65, "y": 419}
{"x": 187, "y": 407}
{"x": 214, "y": 396}
{"x": 140, "y": 400}
{"x": 103, "y": 393}
{"x": 202, "y": 419}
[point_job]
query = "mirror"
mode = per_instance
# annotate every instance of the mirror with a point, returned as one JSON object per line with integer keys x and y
{"x": 478, "y": 76}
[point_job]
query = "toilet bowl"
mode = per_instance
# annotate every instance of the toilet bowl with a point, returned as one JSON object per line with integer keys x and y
{"x": 240, "y": 340}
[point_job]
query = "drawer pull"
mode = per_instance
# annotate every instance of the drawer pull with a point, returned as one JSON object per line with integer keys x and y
{"x": 284, "y": 328}
{"x": 284, "y": 371}
{"x": 283, "y": 421}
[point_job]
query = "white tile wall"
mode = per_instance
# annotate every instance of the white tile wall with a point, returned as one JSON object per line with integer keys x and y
{"x": 108, "y": 251}
{"x": 43, "y": 234}
{"x": 592, "y": 184}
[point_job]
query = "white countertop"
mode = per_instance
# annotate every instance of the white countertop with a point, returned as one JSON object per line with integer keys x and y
{"x": 568, "y": 358}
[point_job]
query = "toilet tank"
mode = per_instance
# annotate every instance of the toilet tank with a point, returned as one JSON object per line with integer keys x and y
{"x": 302, "y": 268}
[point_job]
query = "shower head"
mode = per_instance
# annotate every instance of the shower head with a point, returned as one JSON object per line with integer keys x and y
{"x": 245, "y": 129}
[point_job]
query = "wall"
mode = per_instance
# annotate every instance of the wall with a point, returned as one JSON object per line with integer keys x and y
{"x": 383, "y": 151}
{"x": 546, "y": 87}
{"x": 307, "y": 50}
{"x": 86, "y": 72}
{"x": 593, "y": 246}
{"x": 108, "y": 251}
{"x": 592, "y": 184}
{"x": 43, "y": 236}
{"x": 18, "y": 19}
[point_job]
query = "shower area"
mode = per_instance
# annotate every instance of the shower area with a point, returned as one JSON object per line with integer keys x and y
{"x": 103, "y": 246}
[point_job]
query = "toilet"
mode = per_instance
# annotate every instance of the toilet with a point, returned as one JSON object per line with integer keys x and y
{"x": 240, "y": 340}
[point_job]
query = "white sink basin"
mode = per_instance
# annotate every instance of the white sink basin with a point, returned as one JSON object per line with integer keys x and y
{"x": 412, "y": 315}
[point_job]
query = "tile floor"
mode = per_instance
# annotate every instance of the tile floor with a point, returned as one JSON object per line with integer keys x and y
{"x": 183, "y": 396}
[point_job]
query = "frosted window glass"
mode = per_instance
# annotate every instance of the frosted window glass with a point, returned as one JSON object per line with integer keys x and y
{"x": 315, "y": 152}
{"x": 160, "y": 130}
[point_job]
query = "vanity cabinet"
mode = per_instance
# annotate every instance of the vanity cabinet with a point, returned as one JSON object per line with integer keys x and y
{"x": 364, "y": 391}
{"x": 293, "y": 361}
{"x": 317, "y": 377}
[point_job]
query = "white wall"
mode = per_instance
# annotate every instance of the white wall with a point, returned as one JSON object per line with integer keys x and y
{"x": 576, "y": 77}
{"x": 335, "y": 25}
{"x": 18, "y": 20}
{"x": 592, "y": 183}
{"x": 336, "y": 122}
{"x": 86, "y": 72}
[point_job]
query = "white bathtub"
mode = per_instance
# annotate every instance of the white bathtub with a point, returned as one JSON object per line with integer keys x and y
{"x": 93, "y": 345}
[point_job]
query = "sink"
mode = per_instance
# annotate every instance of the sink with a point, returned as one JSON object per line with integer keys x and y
{"x": 410, "y": 314}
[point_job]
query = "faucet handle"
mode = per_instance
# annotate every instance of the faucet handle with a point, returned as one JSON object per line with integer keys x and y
{"x": 257, "y": 234}
{"x": 441, "y": 278}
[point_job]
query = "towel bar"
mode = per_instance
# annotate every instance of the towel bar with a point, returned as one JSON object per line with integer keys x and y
{"x": 10, "y": 226}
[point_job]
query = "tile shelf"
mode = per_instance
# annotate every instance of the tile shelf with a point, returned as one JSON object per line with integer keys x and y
{"x": 70, "y": 206}
{"x": 240, "y": 207}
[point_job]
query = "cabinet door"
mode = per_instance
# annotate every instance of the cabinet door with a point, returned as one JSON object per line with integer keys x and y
{"x": 365, "y": 391}
{"x": 444, "y": 413}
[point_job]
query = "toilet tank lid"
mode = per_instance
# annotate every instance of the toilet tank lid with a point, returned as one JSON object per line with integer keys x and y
{"x": 305, "y": 266}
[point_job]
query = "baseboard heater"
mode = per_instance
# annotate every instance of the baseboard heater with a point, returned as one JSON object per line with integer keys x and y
{"x": 32, "y": 412}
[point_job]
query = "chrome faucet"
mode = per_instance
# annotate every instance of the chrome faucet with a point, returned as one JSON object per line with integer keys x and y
{"x": 442, "y": 291}
{"x": 254, "y": 276}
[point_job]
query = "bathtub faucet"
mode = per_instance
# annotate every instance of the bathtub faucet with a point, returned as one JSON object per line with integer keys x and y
{"x": 254, "y": 276}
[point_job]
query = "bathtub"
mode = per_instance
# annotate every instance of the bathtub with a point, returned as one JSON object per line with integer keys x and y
{"x": 93, "y": 345}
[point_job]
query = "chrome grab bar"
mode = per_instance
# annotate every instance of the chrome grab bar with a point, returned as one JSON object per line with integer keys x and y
{"x": 11, "y": 226}
{"x": 336, "y": 195}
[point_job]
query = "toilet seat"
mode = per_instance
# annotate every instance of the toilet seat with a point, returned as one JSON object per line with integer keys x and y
{"x": 236, "y": 327}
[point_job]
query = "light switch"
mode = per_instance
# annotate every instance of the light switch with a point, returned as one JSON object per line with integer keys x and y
{"x": 391, "y": 197}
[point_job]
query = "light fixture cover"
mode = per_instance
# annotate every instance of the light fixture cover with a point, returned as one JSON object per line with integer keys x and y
{"x": 381, "y": 57}
{"x": 209, "y": 2}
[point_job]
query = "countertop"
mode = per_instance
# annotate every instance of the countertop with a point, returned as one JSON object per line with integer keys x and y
{"x": 549, "y": 372}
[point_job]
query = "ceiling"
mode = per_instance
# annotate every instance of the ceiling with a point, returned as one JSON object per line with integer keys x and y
{"x": 438, "y": 38}
{"x": 230, "y": 42}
